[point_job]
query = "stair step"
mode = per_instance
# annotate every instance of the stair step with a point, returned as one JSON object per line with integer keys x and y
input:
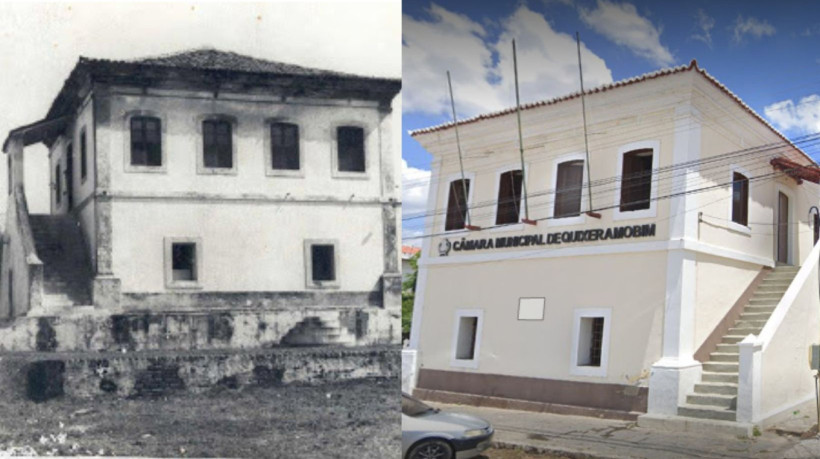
{"x": 707, "y": 412}
{"x": 724, "y": 357}
{"x": 768, "y": 310}
{"x": 747, "y": 323}
{"x": 744, "y": 331}
{"x": 727, "y": 348}
{"x": 755, "y": 314}
{"x": 720, "y": 367}
{"x": 780, "y": 289}
{"x": 723, "y": 401}
{"x": 732, "y": 339}
{"x": 716, "y": 388}
{"x": 713, "y": 377}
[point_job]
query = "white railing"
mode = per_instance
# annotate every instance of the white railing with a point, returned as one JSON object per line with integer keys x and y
{"x": 773, "y": 370}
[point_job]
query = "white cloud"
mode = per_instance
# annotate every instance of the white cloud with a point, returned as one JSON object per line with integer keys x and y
{"x": 704, "y": 26}
{"x": 751, "y": 26}
{"x": 621, "y": 23}
{"x": 415, "y": 183}
{"x": 482, "y": 69}
{"x": 803, "y": 117}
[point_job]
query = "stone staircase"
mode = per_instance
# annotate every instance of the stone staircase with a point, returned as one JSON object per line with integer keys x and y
{"x": 67, "y": 273}
{"x": 318, "y": 331}
{"x": 715, "y": 397}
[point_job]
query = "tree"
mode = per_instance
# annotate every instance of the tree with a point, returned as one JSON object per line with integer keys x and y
{"x": 408, "y": 295}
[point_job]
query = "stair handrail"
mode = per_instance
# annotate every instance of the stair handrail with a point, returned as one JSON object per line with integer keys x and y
{"x": 785, "y": 303}
{"x": 24, "y": 226}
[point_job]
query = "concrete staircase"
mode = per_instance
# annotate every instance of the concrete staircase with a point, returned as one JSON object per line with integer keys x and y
{"x": 67, "y": 273}
{"x": 715, "y": 397}
{"x": 319, "y": 331}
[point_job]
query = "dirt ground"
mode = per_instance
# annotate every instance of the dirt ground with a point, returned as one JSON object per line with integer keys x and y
{"x": 355, "y": 419}
{"x": 497, "y": 453}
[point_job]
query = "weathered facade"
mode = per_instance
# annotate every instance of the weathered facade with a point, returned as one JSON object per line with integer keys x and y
{"x": 699, "y": 236}
{"x": 207, "y": 187}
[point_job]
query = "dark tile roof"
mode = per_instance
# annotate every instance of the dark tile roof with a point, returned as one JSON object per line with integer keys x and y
{"x": 212, "y": 59}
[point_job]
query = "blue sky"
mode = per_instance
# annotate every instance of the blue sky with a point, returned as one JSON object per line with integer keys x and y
{"x": 768, "y": 53}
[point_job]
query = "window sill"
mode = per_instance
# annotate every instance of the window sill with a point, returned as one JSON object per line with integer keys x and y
{"x": 216, "y": 171}
{"x": 582, "y": 370}
{"x": 739, "y": 228}
{"x": 459, "y": 363}
{"x": 145, "y": 169}
{"x": 351, "y": 175}
{"x": 567, "y": 221}
{"x": 289, "y": 173}
{"x": 634, "y": 214}
{"x": 507, "y": 227}
{"x": 323, "y": 285}
{"x": 184, "y": 285}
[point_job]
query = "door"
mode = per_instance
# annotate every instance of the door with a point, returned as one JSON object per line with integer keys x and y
{"x": 69, "y": 176}
{"x": 782, "y": 228}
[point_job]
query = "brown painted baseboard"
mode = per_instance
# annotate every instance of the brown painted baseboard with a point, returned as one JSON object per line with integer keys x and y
{"x": 710, "y": 343}
{"x": 521, "y": 405}
{"x": 581, "y": 396}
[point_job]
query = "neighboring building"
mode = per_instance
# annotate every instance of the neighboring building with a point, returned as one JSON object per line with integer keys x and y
{"x": 702, "y": 225}
{"x": 407, "y": 252}
{"x": 210, "y": 182}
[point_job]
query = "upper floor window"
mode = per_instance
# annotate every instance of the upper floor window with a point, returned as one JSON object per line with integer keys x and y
{"x": 217, "y": 141}
{"x": 457, "y": 205}
{"x": 350, "y": 149}
{"x": 146, "y": 142}
{"x": 568, "y": 189}
{"x": 740, "y": 199}
{"x": 58, "y": 186}
{"x": 83, "y": 155}
{"x": 509, "y": 197}
{"x": 636, "y": 180}
{"x": 284, "y": 144}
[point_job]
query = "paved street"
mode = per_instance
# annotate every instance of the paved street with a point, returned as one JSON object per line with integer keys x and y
{"x": 574, "y": 436}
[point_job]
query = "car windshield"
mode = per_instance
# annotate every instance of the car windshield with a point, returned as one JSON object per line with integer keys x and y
{"x": 412, "y": 407}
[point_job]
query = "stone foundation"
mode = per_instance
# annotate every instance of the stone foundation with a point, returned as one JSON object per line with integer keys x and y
{"x": 41, "y": 376}
{"x": 94, "y": 330}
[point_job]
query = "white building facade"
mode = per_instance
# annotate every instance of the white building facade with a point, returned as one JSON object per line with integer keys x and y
{"x": 634, "y": 302}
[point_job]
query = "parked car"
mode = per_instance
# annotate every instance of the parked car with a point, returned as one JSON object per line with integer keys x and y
{"x": 429, "y": 433}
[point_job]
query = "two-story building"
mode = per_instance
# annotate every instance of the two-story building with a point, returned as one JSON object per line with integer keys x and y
{"x": 203, "y": 190}
{"x": 650, "y": 275}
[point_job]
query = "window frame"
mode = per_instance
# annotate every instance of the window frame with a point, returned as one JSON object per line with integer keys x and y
{"x": 446, "y": 195}
{"x": 464, "y": 363}
{"x": 172, "y": 284}
{"x": 131, "y": 168}
{"x": 581, "y": 217}
{"x": 652, "y": 211}
{"x": 310, "y": 283}
{"x": 200, "y": 154}
{"x": 733, "y": 225}
{"x": 334, "y": 154}
{"x": 525, "y": 177}
{"x": 268, "y": 146}
{"x": 589, "y": 313}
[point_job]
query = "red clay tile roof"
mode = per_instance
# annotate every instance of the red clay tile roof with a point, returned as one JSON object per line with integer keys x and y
{"x": 693, "y": 65}
{"x": 409, "y": 250}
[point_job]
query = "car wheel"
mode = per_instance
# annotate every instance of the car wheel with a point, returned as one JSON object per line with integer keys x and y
{"x": 431, "y": 449}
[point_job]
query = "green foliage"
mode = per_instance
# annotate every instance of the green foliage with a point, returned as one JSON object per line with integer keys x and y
{"x": 408, "y": 294}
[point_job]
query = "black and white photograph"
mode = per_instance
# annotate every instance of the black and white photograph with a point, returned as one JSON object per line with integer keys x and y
{"x": 201, "y": 240}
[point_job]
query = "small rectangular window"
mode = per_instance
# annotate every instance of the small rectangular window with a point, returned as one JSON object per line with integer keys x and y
{"x": 590, "y": 341}
{"x": 457, "y": 205}
{"x": 323, "y": 262}
{"x": 146, "y": 141}
{"x": 217, "y": 144}
{"x": 740, "y": 199}
{"x": 636, "y": 180}
{"x": 284, "y": 141}
{"x": 183, "y": 260}
{"x": 350, "y": 145}
{"x": 509, "y": 197}
{"x": 568, "y": 189}
{"x": 531, "y": 308}
{"x": 465, "y": 345}
{"x": 58, "y": 184}
{"x": 83, "y": 155}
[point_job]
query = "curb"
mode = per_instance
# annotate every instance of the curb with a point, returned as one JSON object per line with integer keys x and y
{"x": 502, "y": 444}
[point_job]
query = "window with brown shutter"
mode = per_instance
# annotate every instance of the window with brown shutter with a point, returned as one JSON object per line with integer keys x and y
{"x": 568, "y": 188}
{"x": 740, "y": 199}
{"x": 457, "y": 205}
{"x": 636, "y": 180}
{"x": 509, "y": 197}
{"x": 284, "y": 141}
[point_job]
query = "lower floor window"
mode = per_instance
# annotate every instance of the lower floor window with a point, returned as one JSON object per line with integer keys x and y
{"x": 184, "y": 261}
{"x": 465, "y": 346}
{"x": 321, "y": 263}
{"x": 467, "y": 338}
{"x": 591, "y": 341}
